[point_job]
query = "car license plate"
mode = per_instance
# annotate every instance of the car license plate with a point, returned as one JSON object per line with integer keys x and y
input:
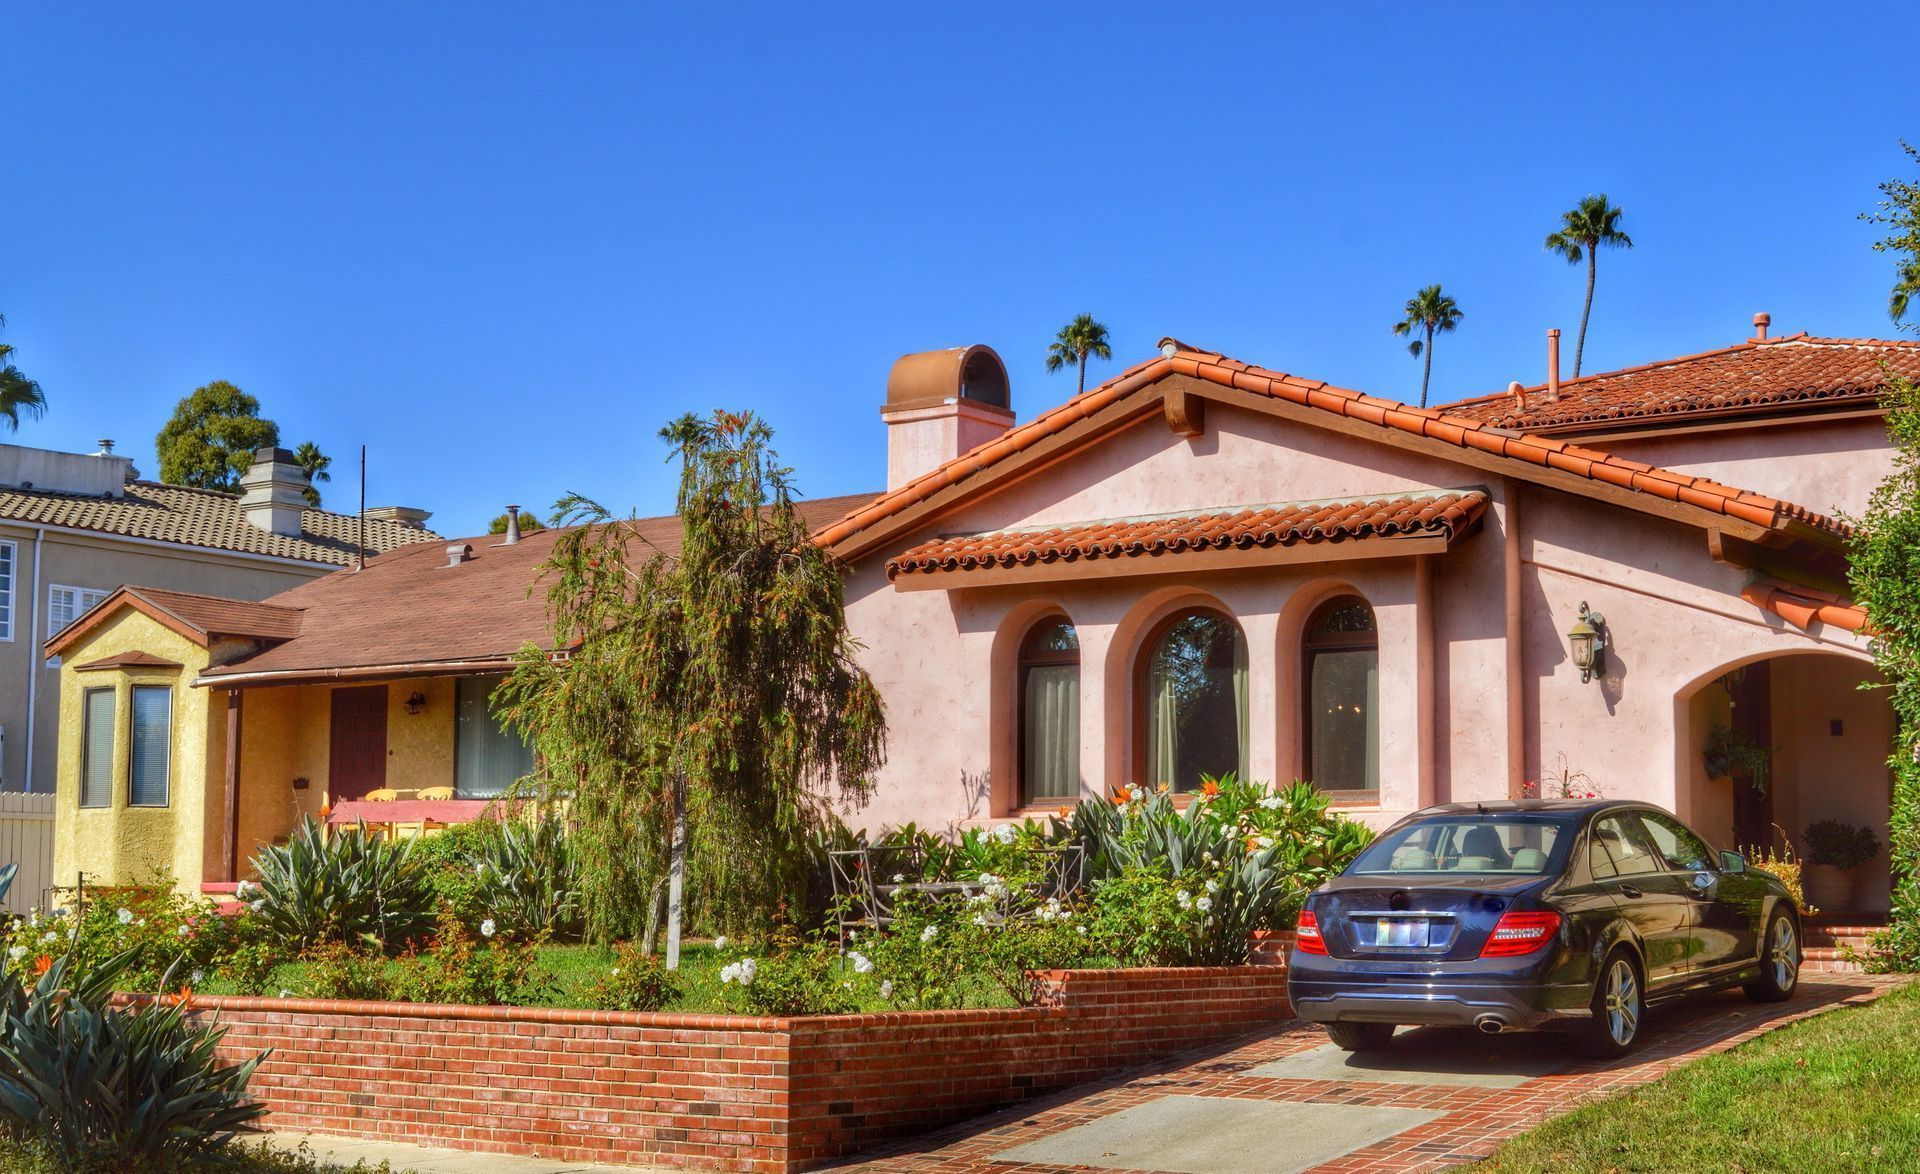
{"x": 1390, "y": 932}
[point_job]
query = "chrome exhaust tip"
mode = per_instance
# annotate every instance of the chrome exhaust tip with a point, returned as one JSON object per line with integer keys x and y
{"x": 1489, "y": 1025}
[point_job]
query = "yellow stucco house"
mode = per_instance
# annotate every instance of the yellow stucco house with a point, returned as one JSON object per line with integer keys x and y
{"x": 196, "y": 729}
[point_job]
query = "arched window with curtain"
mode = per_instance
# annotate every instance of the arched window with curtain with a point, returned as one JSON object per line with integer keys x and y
{"x": 1050, "y": 714}
{"x": 1194, "y": 700}
{"x": 1342, "y": 673}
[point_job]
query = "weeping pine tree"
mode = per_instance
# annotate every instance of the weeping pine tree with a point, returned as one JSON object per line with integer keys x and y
{"x": 711, "y": 688}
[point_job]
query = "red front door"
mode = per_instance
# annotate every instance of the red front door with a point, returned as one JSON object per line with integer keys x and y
{"x": 357, "y": 747}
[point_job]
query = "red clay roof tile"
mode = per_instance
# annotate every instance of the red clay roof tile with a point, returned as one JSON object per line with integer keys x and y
{"x": 1445, "y": 515}
{"x": 1775, "y": 373}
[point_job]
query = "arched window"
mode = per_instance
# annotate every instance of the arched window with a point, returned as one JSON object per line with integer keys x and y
{"x": 1050, "y": 714}
{"x": 1342, "y": 673}
{"x": 1194, "y": 698}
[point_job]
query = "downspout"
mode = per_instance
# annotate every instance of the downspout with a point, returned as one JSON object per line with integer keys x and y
{"x": 1428, "y": 775}
{"x": 35, "y": 664}
{"x": 1516, "y": 649}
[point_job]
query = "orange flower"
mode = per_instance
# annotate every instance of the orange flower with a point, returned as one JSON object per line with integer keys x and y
{"x": 1122, "y": 796}
{"x": 42, "y": 964}
{"x": 326, "y": 812}
{"x": 1210, "y": 789}
{"x": 181, "y": 998}
{"x": 1063, "y": 812}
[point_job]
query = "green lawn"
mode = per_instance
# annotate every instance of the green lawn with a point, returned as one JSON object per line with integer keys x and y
{"x": 573, "y": 971}
{"x": 1839, "y": 1091}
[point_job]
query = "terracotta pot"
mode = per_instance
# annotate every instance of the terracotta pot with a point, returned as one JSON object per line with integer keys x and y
{"x": 1828, "y": 887}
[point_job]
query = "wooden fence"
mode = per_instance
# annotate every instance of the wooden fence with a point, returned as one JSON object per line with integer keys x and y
{"x": 26, "y": 839}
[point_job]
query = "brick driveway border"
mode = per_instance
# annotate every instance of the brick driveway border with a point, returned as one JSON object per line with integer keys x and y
{"x": 1473, "y": 1121}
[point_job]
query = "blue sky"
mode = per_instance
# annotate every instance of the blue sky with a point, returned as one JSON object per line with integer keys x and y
{"x": 502, "y": 244}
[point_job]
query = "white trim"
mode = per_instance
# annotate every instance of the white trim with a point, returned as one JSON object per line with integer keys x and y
{"x": 100, "y": 595}
{"x": 12, "y": 591}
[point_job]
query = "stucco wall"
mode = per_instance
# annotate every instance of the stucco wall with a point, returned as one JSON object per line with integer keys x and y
{"x": 945, "y": 661}
{"x": 1831, "y": 467}
{"x": 100, "y": 563}
{"x": 120, "y": 843}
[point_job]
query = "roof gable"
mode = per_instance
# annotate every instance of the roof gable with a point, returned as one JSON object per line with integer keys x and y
{"x": 1180, "y": 381}
{"x": 199, "y": 618}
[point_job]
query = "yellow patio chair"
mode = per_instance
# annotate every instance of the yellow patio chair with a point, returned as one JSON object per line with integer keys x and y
{"x": 383, "y": 795}
{"x": 436, "y": 793}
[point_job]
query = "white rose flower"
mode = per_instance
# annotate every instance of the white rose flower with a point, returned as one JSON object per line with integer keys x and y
{"x": 1079, "y": 929}
{"x": 50, "y": 936}
{"x": 257, "y": 904}
{"x": 861, "y": 963}
{"x": 17, "y": 952}
{"x": 182, "y": 931}
{"x": 1204, "y": 904}
{"x": 241, "y": 890}
{"x": 1213, "y": 886}
{"x": 615, "y": 972}
{"x": 929, "y": 933}
{"x": 886, "y": 989}
{"x": 899, "y": 878}
{"x": 720, "y": 943}
{"x": 285, "y": 993}
{"x": 486, "y": 928}
{"x": 748, "y": 969}
{"x": 1271, "y": 803}
{"x": 197, "y": 977}
{"x": 125, "y": 916}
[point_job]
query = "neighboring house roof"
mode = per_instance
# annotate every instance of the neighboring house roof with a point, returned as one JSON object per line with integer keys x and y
{"x": 1095, "y": 411}
{"x": 1790, "y": 373}
{"x": 1318, "y": 524}
{"x": 205, "y": 518}
{"x": 409, "y": 610}
{"x": 200, "y": 618}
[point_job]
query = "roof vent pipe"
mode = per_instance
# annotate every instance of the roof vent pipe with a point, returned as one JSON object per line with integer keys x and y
{"x": 1519, "y": 393}
{"x": 457, "y": 553}
{"x": 1553, "y": 365}
{"x": 1761, "y": 321}
{"x": 513, "y": 525}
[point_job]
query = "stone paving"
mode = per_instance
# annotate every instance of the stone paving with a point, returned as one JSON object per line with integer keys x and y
{"x": 1287, "y": 1101}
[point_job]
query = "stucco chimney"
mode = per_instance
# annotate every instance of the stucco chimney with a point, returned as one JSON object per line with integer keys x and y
{"x": 412, "y": 517}
{"x": 1761, "y": 321}
{"x": 941, "y": 405}
{"x": 1553, "y": 365}
{"x": 273, "y": 492}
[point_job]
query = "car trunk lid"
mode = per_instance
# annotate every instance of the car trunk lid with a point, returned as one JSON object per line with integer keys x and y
{"x": 1427, "y": 918}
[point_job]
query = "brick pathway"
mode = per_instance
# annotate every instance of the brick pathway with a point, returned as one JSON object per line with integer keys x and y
{"x": 1459, "y": 1120}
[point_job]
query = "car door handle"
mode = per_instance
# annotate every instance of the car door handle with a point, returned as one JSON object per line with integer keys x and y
{"x": 1630, "y": 891}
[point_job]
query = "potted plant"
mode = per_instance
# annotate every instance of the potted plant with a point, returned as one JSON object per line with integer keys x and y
{"x": 1835, "y": 851}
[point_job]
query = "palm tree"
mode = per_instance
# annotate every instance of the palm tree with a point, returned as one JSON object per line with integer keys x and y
{"x": 1906, "y": 291}
{"x": 309, "y": 457}
{"x": 1076, "y": 341}
{"x": 1432, "y": 312}
{"x": 1583, "y": 229}
{"x": 17, "y": 393}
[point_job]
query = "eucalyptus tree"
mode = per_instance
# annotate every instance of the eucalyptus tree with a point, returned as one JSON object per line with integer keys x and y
{"x": 1077, "y": 340}
{"x": 1428, "y": 312}
{"x": 1585, "y": 229}
{"x": 708, "y": 712}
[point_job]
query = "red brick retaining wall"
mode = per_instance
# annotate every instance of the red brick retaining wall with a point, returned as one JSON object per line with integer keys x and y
{"x": 715, "y": 1091}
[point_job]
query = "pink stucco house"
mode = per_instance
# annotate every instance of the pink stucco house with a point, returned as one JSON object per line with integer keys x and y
{"x": 1204, "y": 565}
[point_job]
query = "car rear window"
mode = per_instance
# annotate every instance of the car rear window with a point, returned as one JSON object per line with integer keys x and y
{"x": 1512, "y": 845}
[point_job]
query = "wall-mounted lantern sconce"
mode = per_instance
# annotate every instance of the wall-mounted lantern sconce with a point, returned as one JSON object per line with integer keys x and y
{"x": 1588, "y": 640}
{"x": 300, "y": 783}
{"x": 418, "y": 701}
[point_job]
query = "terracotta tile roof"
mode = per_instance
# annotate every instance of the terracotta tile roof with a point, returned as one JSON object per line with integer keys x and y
{"x": 1803, "y": 606}
{"x": 408, "y": 607}
{"x": 127, "y": 660}
{"x": 1458, "y": 431}
{"x": 1445, "y": 515}
{"x": 1776, "y": 374}
{"x": 205, "y": 518}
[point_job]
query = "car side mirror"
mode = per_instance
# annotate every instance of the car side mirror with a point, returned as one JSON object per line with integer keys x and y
{"x": 1733, "y": 862}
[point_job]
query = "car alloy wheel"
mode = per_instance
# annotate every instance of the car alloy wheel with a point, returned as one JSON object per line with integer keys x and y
{"x": 1783, "y": 954}
{"x": 1621, "y": 1003}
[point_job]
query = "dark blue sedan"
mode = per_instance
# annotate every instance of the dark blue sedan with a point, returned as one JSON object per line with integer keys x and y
{"x": 1556, "y": 915}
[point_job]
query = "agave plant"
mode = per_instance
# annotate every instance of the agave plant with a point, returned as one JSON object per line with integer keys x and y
{"x": 529, "y": 878}
{"x": 104, "y": 1087}
{"x": 344, "y": 887}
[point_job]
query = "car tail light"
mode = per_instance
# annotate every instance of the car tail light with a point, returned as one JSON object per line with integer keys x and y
{"x": 1521, "y": 933}
{"x": 1306, "y": 934}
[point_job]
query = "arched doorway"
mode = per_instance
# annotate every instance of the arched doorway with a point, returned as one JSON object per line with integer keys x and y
{"x": 1773, "y": 745}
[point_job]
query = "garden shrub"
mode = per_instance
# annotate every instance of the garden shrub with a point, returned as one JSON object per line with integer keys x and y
{"x": 347, "y": 886}
{"x": 335, "y": 970}
{"x": 790, "y": 976}
{"x": 637, "y": 981}
{"x": 527, "y": 877}
{"x": 1784, "y": 864}
{"x": 98, "y": 1087}
{"x": 484, "y": 969}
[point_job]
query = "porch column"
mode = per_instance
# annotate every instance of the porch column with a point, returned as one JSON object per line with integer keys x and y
{"x": 230, "y": 843}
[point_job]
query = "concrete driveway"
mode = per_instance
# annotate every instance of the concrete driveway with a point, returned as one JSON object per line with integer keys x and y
{"x": 1287, "y": 1100}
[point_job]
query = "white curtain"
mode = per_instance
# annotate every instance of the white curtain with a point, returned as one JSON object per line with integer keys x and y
{"x": 1050, "y": 763}
{"x": 487, "y": 758}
